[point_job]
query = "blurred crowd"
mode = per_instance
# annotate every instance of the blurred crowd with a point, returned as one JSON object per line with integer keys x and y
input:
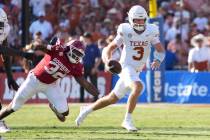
{"x": 186, "y": 25}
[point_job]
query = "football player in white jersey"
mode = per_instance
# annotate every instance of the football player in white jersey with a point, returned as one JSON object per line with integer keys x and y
{"x": 5, "y": 53}
{"x": 136, "y": 37}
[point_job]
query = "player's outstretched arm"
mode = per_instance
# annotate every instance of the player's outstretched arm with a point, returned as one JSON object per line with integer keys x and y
{"x": 87, "y": 85}
{"x": 12, "y": 52}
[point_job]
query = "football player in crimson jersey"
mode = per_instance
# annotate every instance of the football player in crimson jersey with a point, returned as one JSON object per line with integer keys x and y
{"x": 59, "y": 61}
{"x": 136, "y": 37}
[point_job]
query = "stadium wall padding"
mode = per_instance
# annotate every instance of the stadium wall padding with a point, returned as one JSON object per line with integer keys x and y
{"x": 179, "y": 87}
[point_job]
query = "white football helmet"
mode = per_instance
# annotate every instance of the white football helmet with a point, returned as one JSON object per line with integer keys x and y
{"x": 137, "y": 12}
{"x": 4, "y": 26}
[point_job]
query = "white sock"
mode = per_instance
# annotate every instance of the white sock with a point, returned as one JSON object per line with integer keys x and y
{"x": 88, "y": 110}
{"x": 128, "y": 116}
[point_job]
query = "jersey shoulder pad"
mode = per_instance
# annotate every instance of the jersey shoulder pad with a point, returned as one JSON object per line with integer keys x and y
{"x": 122, "y": 28}
{"x": 153, "y": 29}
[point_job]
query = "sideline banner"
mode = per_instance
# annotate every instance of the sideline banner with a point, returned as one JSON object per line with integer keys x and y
{"x": 179, "y": 87}
{"x": 69, "y": 87}
{"x": 186, "y": 87}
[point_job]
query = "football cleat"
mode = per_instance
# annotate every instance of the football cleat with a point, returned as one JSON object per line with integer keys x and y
{"x": 3, "y": 127}
{"x": 82, "y": 115}
{"x": 60, "y": 116}
{"x": 128, "y": 124}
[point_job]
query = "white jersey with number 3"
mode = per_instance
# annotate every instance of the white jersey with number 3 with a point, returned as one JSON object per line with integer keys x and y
{"x": 136, "y": 47}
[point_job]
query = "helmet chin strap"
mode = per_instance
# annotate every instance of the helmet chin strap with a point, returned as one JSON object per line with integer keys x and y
{"x": 72, "y": 60}
{"x": 139, "y": 28}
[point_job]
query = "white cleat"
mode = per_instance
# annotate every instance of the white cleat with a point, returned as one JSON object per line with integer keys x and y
{"x": 3, "y": 127}
{"x": 128, "y": 124}
{"x": 82, "y": 115}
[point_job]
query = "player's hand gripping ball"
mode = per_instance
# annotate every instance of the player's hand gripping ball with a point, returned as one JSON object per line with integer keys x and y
{"x": 114, "y": 67}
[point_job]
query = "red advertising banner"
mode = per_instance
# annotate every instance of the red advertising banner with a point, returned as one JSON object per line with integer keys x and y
{"x": 68, "y": 85}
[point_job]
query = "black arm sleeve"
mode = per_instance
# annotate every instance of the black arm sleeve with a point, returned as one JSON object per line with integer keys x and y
{"x": 6, "y": 61}
{"x": 12, "y": 52}
{"x": 9, "y": 51}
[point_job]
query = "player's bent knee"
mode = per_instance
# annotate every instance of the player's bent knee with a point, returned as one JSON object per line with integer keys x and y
{"x": 113, "y": 98}
{"x": 63, "y": 110}
{"x": 138, "y": 88}
{"x": 66, "y": 113}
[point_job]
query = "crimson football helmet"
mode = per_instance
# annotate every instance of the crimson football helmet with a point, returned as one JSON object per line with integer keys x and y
{"x": 75, "y": 51}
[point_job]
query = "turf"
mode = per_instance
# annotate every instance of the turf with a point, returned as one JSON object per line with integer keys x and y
{"x": 155, "y": 121}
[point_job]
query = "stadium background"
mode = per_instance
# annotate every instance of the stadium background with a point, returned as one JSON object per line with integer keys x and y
{"x": 155, "y": 121}
{"x": 70, "y": 19}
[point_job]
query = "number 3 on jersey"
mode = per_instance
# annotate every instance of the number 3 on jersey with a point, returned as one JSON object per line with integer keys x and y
{"x": 140, "y": 53}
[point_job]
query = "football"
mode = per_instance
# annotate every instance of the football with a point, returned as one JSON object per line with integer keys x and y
{"x": 114, "y": 67}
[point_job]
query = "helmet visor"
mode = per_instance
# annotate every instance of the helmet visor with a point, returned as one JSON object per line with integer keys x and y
{"x": 77, "y": 55}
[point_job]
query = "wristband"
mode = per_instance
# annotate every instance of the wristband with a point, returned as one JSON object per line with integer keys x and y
{"x": 159, "y": 56}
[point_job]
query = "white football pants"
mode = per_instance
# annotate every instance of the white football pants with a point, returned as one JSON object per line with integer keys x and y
{"x": 127, "y": 76}
{"x": 32, "y": 85}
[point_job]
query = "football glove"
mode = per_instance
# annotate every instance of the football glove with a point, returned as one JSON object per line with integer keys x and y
{"x": 12, "y": 84}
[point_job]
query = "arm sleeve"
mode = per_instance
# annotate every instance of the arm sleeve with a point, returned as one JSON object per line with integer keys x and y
{"x": 155, "y": 35}
{"x": 119, "y": 38}
{"x": 6, "y": 61}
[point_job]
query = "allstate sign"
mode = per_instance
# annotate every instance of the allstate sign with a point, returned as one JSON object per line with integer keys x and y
{"x": 185, "y": 87}
{"x": 179, "y": 87}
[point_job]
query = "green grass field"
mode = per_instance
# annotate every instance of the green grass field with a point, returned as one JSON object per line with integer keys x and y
{"x": 155, "y": 121}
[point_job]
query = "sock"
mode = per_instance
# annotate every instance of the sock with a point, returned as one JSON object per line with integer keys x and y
{"x": 88, "y": 110}
{"x": 128, "y": 116}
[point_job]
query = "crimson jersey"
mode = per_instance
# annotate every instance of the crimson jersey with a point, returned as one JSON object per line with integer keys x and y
{"x": 54, "y": 66}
